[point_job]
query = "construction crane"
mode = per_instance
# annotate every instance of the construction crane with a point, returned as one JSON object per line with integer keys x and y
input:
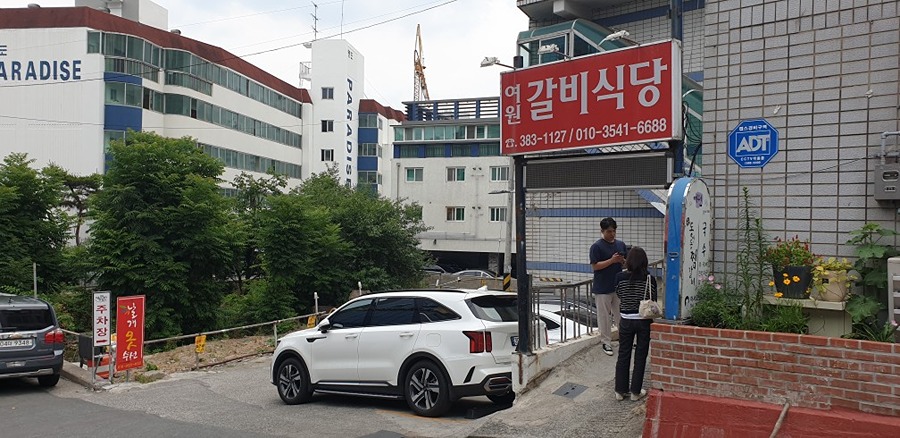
{"x": 420, "y": 88}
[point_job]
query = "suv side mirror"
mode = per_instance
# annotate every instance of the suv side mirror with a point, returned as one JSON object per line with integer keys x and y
{"x": 325, "y": 326}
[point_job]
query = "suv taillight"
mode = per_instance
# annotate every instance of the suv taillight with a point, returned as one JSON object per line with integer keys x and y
{"x": 55, "y": 337}
{"x": 479, "y": 342}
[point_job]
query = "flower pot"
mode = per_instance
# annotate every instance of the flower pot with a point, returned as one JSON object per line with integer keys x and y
{"x": 793, "y": 281}
{"x": 834, "y": 286}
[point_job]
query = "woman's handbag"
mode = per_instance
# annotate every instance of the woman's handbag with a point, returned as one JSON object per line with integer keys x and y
{"x": 649, "y": 309}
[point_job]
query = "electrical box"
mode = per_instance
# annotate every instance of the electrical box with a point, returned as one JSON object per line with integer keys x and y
{"x": 887, "y": 182}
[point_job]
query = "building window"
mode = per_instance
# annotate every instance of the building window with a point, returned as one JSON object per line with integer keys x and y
{"x": 115, "y": 93}
{"x": 456, "y": 174}
{"x": 368, "y": 150}
{"x": 407, "y": 151}
{"x": 327, "y": 154}
{"x": 435, "y": 150}
{"x": 498, "y": 214}
{"x": 489, "y": 149}
{"x": 499, "y": 173}
{"x": 369, "y": 177}
{"x": 368, "y": 120}
{"x": 461, "y": 150}
{"x": 414, "y": 174}
{"x": 327, "y": 125}
{"x": 328, "y": 93}
{"x": 456, "y": 214}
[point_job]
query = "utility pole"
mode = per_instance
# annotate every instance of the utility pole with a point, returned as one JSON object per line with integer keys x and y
{"x": 315, "y": 16}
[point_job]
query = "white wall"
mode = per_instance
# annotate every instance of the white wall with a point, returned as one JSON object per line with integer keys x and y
{"x": 336, "y": 64}
{"x": 476, "y": 233}
{"x": 52, "y": 120}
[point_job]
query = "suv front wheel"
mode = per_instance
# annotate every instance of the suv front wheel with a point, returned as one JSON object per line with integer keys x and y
{"x": 427, "y": 390}
{"x": 293, "y": 382}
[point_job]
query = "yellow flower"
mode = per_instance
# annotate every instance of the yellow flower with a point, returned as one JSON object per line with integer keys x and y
{"x": 796, "y": 279}
{"x": 787, "y": 281}
{"x": 784, "y": 274}
{"x": 778, "y": 294}
{"x": 771, "y": 283}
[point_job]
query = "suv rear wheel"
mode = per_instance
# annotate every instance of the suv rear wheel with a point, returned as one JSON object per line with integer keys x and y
{"x": 503, "y": 399}
{"x": 48, "y": 381}
{"x": 427, "y": 392}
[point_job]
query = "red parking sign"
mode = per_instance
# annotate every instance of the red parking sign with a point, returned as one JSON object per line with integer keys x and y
{"x": 624, "y": 96}
{"x": 129, "y": 332}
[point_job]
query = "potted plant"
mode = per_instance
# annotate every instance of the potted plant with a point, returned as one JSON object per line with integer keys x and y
{"x": 831, "y": 278}
{"x": 792, "y": 263}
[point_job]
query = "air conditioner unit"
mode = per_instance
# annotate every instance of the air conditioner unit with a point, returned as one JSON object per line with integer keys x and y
{"x": 887, "y": 182}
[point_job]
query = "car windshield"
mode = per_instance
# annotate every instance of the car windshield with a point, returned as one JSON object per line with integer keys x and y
{"x": 12, "y": 320}
{"x": 495, "y": 308}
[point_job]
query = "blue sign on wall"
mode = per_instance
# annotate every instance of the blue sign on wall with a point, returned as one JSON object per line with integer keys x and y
{"x": 753, "y": 143}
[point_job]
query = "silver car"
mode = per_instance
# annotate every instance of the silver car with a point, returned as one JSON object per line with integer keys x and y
{"x": 31, "y": 343}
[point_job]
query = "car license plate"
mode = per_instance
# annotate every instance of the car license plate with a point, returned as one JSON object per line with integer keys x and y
{"x": 514, "y": 340}
{"x": 16, "y": 343}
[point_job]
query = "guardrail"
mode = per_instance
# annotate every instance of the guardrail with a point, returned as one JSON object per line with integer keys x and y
{"x": 73, "y": 346}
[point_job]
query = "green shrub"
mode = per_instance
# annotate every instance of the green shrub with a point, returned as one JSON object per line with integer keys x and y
{"x": 716, "y": 306}
{"x": 785, "y": 318}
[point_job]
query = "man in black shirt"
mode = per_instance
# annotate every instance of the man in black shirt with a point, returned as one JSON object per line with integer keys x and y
{"x": 607, "y": 256}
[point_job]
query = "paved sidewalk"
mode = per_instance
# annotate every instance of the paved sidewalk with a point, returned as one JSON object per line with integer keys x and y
{"x": 594, "y": 413}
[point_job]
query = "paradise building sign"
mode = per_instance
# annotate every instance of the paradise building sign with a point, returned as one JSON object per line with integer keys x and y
{"x": 625, "y": 96}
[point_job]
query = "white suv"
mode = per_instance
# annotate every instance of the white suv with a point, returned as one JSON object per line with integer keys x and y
{"x": 430, "y": 347}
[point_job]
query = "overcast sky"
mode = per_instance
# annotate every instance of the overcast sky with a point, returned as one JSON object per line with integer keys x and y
{"x": 456, "y": 34}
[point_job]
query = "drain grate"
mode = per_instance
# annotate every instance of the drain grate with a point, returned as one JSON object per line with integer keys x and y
{"x": 570, "y": 390}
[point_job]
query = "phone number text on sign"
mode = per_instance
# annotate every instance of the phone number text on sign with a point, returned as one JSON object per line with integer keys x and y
{"x": 624, "y": 96}
{"x": 591, "y": 133}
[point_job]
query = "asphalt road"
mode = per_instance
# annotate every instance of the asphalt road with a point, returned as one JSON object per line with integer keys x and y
{"x": 27, "y": 410}
{"x": 231, "y": 401}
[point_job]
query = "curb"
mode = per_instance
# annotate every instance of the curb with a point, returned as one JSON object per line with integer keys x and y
{"x": 76, "y": 374}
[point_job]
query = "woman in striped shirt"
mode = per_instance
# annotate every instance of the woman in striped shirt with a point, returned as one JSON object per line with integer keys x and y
{"x": 631, "y": 287}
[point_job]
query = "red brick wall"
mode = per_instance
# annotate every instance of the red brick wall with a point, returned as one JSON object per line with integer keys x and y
{"x": 810, "y": 371}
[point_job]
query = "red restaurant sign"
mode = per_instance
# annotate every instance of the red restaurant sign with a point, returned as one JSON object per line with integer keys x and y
{"x": 624, "y": 96}
{"x": 129, "y": 332}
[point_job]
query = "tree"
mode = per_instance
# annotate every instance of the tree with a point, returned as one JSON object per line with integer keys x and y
{"x": 383, "y": 249}
{"x": 77, "y": 190}
{"x": 160, "y": 230}
{"x": 33, "y": 229}
{"x": 302, "y": 253}
{"x": 250, "y": 199}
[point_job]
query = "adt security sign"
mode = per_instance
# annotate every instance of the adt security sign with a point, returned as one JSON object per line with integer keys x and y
{"x": 753, "y": 143}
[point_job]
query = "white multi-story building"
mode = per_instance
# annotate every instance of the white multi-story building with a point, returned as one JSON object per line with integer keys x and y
{"x": 82, "y": 76}
{"x": 447, "y": 159}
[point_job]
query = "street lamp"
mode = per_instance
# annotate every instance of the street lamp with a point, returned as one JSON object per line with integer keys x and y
{"x": 507, "y": 251}
{"x": 547, "y": 49}
{"x": 614, "y": 36}
{"x": 492, "y": 60}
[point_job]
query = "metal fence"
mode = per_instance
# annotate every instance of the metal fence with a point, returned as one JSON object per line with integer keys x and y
{"x": 77, "y": 348}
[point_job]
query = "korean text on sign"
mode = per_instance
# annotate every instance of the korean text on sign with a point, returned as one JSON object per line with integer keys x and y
{"x": 625, "y": 96}
{"x": 102, "y": 318}
{"x": 129, "y": 332}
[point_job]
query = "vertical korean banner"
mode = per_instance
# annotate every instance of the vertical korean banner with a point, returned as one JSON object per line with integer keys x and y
{"x": 129, "y": 332}
{"x": 102, "y": 319}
